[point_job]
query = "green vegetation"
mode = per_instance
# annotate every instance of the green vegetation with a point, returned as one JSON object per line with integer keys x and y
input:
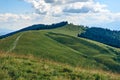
{"x": 7, "y": 43}
{"x": 20, "y": 67}
{"x": 70, "y": 29}
{"x": 105, "y": 36}
{"x": 62, "y": 47}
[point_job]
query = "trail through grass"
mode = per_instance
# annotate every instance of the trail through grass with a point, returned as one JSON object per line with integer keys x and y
{"x": 14, "y": 44}
{"x": 61, "y": 46}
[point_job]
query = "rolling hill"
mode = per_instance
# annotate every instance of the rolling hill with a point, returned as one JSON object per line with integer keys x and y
{"x": 61, "y": 45}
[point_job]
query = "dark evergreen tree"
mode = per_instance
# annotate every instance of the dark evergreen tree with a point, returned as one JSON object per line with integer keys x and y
{"x": 105, "y": 36}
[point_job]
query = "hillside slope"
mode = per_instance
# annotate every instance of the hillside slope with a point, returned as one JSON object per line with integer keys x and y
{"x": 62, "y": 45}
{"x": 22, "y": 67}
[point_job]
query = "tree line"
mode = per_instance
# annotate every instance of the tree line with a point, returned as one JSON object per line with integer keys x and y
{"x": 105, "y": 36}
{"x": 37, "y": 27}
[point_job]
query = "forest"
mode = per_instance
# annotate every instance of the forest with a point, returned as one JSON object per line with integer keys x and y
{"x": 105, "y": 36}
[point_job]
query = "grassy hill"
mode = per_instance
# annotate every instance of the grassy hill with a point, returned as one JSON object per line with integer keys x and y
{"x": 61, "y": 45}
{"x": 70, "y": 29}
{"x": 22, "y": 67}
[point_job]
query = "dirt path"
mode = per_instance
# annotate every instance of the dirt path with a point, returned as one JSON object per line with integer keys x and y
{"x": 14, "y": 43}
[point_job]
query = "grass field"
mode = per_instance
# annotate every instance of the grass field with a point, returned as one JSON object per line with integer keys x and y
{"x": 22, "y": 67}
{"x": 62, "y": 46}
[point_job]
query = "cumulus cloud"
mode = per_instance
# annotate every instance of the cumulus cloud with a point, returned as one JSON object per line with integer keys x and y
{"x": 13, "y": 17}
{"x": 16, "y": 21}
{"x": 65, "y": 1}
{"x": 85, "y": 12}
{"x": 86, "y": 7}
{"x": 57, "y": 7}
{"x": 83, "y": 9}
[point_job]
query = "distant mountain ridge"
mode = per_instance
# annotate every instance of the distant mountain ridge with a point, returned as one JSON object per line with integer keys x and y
{"x": 36, "y": 27}
{"x": 4, "y": 31}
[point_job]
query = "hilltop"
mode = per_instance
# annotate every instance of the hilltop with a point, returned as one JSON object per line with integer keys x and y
{"x": 61, "y": 45}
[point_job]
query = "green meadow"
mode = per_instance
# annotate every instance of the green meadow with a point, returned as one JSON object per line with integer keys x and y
{"x": 57, "y": 54}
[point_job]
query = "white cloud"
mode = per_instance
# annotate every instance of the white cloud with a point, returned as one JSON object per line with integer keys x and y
{"x": 65, "y": 1}
{"x": 16, "y": 21}
{"x": 13, "y": 17}
{"x": 57, "y": 7}
{"x": 85, "y": 12}
{"x": 75, "y": 11}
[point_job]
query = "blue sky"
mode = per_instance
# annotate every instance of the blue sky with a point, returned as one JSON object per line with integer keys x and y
{"x": 17, "y": 14}
{"x": 20, "y": 6}
{"x": 113, "y": 5}
{"x": 14, "y": 6}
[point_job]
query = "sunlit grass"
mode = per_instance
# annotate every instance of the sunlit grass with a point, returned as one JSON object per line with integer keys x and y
{"x": 27, "y": 67}
{"x": 57, "y": 55}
